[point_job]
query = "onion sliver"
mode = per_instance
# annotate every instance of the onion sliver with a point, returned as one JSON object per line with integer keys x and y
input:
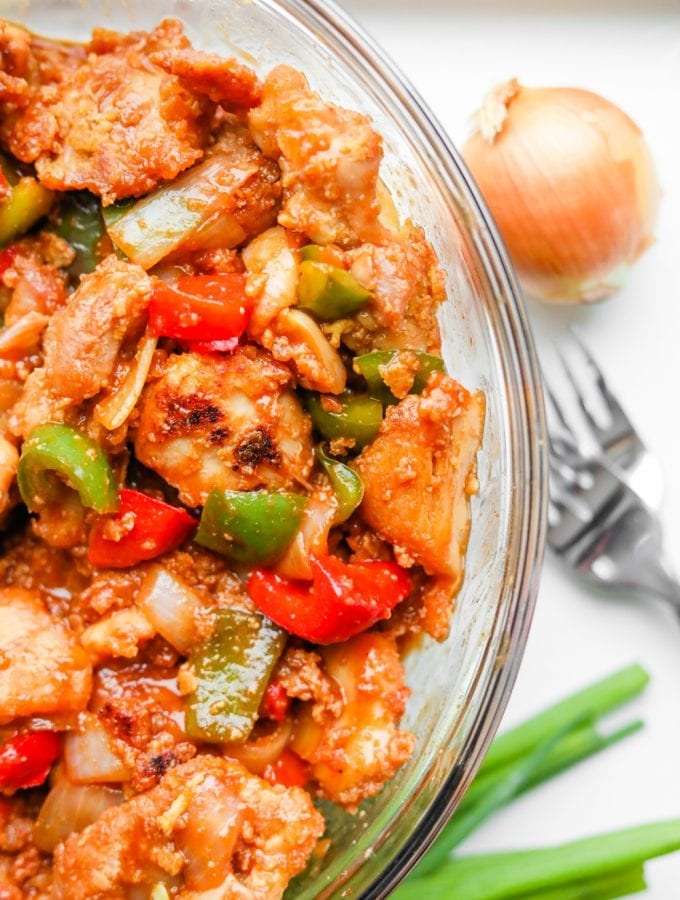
{"x": 263, "y": 751}
{"x": 114, "y": 410}
{"x": 68, "y": 808}
{"x": 23, "y": 334}
{"x": 173, "y": 608}
{"x": 88, "y": 755}
{"x": 168, "y": 217}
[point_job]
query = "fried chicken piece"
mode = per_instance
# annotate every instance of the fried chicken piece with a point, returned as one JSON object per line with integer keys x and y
{"x": 329, "y": 159}
{"x": 407, "y": 286}
{"x": 222, "y": 80}
{"x": 419, "y": 473}
{"x": 228, "y": 422}
{"x": 208, "y": 826}
{"x": 34, "y": 276}
{"x": 353, "y": 754}
{"x": 43, "y": 671}
{"x": 82, "y": 343}
{"x": 115, "y": 123}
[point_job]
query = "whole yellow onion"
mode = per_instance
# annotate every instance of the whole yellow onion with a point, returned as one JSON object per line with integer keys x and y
{"x": 571, "y": 184}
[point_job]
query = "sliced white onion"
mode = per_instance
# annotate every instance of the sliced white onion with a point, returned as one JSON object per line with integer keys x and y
{"x": 88, "y": 755}
{"x": 68, "y": 808}
{"x": 113, "y": 411}
{"x": 298, "y": 338}
{"x": 23, "y": 334}
{"x": 312, "y": 536}
{"x": 169, "y": 216}
{"x": 263, "y": 751}
{"x": 173, "y": 608}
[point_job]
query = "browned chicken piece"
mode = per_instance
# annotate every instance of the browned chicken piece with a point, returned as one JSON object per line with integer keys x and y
{"x": 35, "y": 278}
{"x": 82, "y": 343}
{"x": 139, "y": 708}
{"x": 29, "y": 61}
{"x": 352, "y": 755}
{"x": 36, "y": 60}
{"x": 120, "y": 633}
{"x": 329, "y": 159}
{"x": 167, "y": 35}
{"x": 222, "y": 80}
{"x": 209, "y": 826}
{"x": 15, "y": 47}
{"x": 43, "y": 671}
{"x": 419, "y": 473}
{"x": 227, "y": 422}
{"x": 407, "y": 286}
{"x": 116, "y": 123}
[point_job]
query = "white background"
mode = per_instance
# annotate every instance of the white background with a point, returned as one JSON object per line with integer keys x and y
{"x": 629, "y": 52}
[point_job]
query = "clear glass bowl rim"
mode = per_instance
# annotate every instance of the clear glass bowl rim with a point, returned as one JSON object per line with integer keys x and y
{"x": 526, "y": 421}
{"x": 529, "y": 431}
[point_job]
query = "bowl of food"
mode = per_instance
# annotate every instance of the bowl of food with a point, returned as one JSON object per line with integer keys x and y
{"x": 272, "y": 464}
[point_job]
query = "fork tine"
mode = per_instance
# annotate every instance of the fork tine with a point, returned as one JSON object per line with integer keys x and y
{"x": 578, "y": 393}
{"x": 614, "y": 408}
{"x": 558, "y": 426}
{"x": 566, "y": 490}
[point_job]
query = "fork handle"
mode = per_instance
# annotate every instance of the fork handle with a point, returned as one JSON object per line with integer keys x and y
{"x": 667, "y": 586}
{"x": 633, "y": 555}
{"x": 651, "y": 572}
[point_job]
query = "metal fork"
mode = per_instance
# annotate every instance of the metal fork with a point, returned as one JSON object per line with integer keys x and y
{"x": 613, "y": 439}
{"x": 601, "y": 522}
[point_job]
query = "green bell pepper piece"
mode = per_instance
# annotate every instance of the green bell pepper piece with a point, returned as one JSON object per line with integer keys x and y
{"x": 358, "y": 418}
{"x": 328, "y": 292}
{"x": 81, "y": 224}
{"x": 370, "y": 364}
{"x": 252, "y": 527}
{"x": 320, "y": 253}
{"x": 347, "y": 485}
{"x": 55, "y": 453}
{"x": 311, "y": 253}
{"x": 26, "y": 202}
{"x": 232, "y": 670}
{"x": 113, "y": 212}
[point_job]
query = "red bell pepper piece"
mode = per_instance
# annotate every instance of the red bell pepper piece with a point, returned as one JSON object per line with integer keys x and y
{"x": 342, "y": 600}
{"x": 6, "y": 259}
{"x": 142, "y": 529}
{"x": 201, "y": 308}
{"x": 288, "y": 770}
{"x": 208, "y": 347}
{"x": 26, "y": 760}
{"x": 275, "y": 702}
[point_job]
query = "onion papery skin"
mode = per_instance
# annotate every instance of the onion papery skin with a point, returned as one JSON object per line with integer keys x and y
{"x": 572, "y": 187}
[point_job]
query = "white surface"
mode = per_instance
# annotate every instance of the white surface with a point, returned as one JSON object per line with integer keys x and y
{"x": 453, "y": 53}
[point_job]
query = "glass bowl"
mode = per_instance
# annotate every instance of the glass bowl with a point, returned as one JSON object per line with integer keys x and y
{"x": 460, "y": 687}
